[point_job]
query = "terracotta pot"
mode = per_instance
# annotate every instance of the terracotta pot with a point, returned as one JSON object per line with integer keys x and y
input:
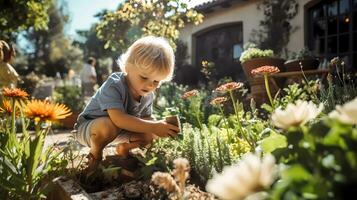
{"x": 249, "y": 65}
{"x": 308, "y": 64}
{"x": 69, "y": 121}
{"x": 257, "y": 85}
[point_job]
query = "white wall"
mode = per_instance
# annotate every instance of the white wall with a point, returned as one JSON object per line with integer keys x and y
{"x": 297, "y": 40}
{"x": 247, "y": 13}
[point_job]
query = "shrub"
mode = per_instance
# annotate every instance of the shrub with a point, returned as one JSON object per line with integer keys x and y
{"x": 251, "y": 53}
{"x": 304, "y": 53}
{"x": 69, "y": 95}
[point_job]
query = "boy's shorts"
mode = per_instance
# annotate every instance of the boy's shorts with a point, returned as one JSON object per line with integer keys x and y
{"x": 82, "y": 135}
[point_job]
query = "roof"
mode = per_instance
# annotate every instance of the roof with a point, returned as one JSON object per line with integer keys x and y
{"x": 209, "y": 5}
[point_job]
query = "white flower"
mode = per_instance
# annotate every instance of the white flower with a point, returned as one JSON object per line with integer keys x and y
{"x": 295, "y": 114}
{"x": 249, "y": 176}
{"x": 346, "y": 113}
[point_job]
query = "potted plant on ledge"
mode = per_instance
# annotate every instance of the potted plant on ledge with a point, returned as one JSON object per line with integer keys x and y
{"x": 253, "y": 58}
{"x": 305, "y": 57}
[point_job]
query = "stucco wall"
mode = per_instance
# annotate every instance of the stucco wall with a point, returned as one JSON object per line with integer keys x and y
{"x": 297, "y": 40}
{"x": 247, "y": 13}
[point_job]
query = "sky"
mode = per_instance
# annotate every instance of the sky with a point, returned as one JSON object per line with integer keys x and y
{"x": 82, "y": 12}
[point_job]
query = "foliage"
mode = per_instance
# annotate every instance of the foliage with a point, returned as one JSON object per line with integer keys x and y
{"x": 341, "y": 86}
{"x": 304, "y": 53}
{"x": 275, "y": 26}
{"x": 25, "y": 166}
{"x": 50, "y": 50}
{"x": 251, "y": 53}
{"x": 169, "y": 102}
{"x": 29, "y": 82}
{"x": 69, "y": 95}
{"x": 185, "y": 73}
{"x": 293, "y": 92}
{"x": 211, "y": 142}
{"x": 320, "y": 161}
{"x": 135, "y": 18}
{"x": 92, "y": 45}
{"x": 20, "y": 15}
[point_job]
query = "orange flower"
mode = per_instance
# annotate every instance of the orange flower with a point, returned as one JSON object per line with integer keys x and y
{"x": 229, "y": 86}
{"x": 16, "y": 93}
{"x": 41, "y": 110}
{"x": 263, "y": 70}
{"x": 189, "y": 94}
{"x": 218, "y": 101}
{"x": 6, "y": 107}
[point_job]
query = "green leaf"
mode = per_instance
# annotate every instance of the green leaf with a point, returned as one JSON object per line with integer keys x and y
{"x": 274, "y": 141}
{"x": 35, "y": 153}
{"x": 296, "y": 173}
{"x": 151, "y": 162}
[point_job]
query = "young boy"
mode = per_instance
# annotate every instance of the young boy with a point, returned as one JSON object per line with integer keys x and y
{"x": 122, "y": 106}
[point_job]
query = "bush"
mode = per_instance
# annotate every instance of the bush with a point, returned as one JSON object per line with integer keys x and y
{"x": 254, "y": 52}
{"x": 304, "y": 53}
{"x": 69, "y": 95}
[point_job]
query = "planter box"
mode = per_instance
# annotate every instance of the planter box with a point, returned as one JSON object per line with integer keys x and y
{"x": 68, "y": 189}
{"x": 308, "y": 64}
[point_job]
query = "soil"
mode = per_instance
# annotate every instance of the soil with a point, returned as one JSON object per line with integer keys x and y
{"x": 124, "y": 184}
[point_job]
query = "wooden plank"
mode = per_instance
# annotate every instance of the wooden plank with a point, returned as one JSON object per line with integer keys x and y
{"x": 299, "y": 73}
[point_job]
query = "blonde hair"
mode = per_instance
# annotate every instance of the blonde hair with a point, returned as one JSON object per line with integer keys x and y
{"x": 150, "y": 53}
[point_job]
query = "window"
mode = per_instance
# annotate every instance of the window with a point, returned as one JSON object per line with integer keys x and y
{"x": 332, "y": 30}
{"x": 223, "y": 45}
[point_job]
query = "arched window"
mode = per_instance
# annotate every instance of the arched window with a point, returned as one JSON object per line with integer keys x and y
{"x": 332, "y": 29}
{"x": 221, "y": 44}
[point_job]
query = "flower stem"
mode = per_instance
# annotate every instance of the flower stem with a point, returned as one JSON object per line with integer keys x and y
{"x": 266, "y": 81}
{"x": 235, "y": 107}
{"x": 13, "y": 119}
{"x": 227, "y": 125}
{"x": 307, "y": 83}
{"x": 198, "y": 120}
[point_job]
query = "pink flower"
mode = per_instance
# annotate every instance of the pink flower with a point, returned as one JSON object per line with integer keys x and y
{"x": 189, "y": 94}
{"x": 229, "y": 86}
{"x": 263, "y": 70}
{"x": 218, "y": 101}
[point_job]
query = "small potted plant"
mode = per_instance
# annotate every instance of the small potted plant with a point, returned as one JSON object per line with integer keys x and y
{"x": 70, "y": 95}
{"x": 254, "y": 57}
{"x": 303, "y": 57}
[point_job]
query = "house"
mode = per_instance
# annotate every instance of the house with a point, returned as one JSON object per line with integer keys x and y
{"x": 327, "y": 27}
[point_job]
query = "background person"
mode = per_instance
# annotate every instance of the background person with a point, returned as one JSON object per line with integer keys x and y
{"x": 88, "y": 77}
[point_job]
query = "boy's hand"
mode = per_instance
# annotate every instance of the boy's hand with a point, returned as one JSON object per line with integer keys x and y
{"x": 164, "y": 129}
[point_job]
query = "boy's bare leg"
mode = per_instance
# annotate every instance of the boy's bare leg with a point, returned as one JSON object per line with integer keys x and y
{"x": 103, "y": 131}
{"x": 135, "y": 140}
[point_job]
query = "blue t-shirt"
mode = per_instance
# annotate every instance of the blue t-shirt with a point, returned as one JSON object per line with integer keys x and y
{"x": 114, "y": 94}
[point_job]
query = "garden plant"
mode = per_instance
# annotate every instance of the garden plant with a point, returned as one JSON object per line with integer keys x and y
{"x": 26, "y": 166}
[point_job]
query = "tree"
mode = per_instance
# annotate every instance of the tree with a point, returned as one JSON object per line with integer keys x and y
{"x": 92, "y": 45}
{"x": 51, "y": 50}
{"x": 20, "y": 15}
{"x": 135, "y": 18}
{"x": 275, "y": 27}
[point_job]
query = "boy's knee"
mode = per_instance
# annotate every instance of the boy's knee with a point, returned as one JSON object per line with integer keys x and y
{"x": 105, "y": 127}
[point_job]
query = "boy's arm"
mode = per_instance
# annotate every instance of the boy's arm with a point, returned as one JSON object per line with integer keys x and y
{"x": 135, "y": 124}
